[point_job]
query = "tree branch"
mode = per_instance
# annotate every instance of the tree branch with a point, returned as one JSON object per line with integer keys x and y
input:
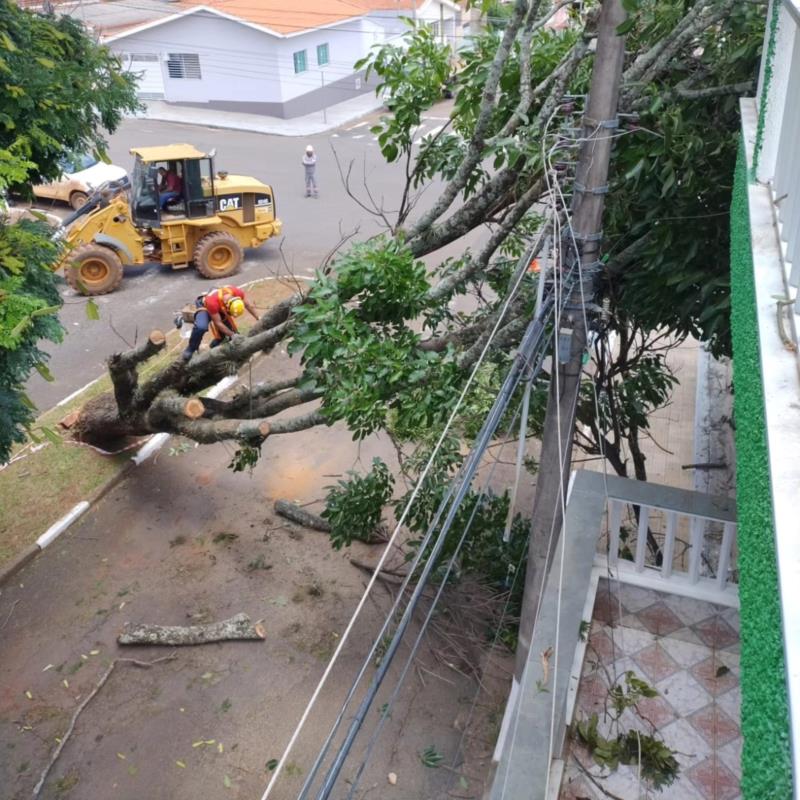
{"x": 122, "y": 370}
{"x": 488, "y": 98}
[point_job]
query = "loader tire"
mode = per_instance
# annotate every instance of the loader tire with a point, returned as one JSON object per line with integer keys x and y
{"x": 217, "y": 255}
{"x": 93, "y": 269}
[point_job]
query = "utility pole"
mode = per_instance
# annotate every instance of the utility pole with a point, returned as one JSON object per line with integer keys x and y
{"x": 591, "y": 176}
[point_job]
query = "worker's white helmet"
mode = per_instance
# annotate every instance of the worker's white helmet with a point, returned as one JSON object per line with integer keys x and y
{"x": 309, "y": 149}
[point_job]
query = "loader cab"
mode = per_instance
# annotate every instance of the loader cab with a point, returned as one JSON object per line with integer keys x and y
{"x": 188, "y": 171}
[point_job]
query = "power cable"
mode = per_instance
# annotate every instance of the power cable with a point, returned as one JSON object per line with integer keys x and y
{"x": 534, "y": 369}
{"x": 515, "y": 283}
{"x": 390, "y": 544}
{"x": 532, "y": 336}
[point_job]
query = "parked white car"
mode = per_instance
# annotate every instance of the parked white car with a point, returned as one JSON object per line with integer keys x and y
{"x": 79, "y": 179}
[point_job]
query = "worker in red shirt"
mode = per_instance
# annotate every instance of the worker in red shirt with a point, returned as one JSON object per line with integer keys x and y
{"x": 217, "y": 310}
{"x": 170, "y": 187}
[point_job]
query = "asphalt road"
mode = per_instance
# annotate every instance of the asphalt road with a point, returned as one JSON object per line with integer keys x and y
{"x": 150, "y": 295}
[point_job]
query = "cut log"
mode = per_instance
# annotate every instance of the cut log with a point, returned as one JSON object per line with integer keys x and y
{"x": 237, "y": 627}
{"x": 70, "y": 420}
{"x": 194, "y": 408}
{"x": 302, "y": 517}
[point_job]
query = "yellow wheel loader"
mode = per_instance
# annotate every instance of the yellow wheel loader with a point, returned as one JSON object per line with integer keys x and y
{"x": 205, "y": 219}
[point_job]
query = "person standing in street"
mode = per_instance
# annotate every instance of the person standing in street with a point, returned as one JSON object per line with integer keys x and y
{"x": 310, "y": 166}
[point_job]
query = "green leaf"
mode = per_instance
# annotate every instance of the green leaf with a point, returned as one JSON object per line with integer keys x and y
{"x": 92, "y": 311}
{"x": 226, "y": 782}
{"x": 51, "y": 435}
{"x": 44, "y": 371}
{"x": 625, "y": 27}
{"x": 636, "y": 169}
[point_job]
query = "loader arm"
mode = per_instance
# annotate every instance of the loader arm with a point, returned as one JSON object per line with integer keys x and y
{"x": 107, "y": 222}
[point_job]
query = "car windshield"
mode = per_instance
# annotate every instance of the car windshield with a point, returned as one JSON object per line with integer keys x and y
{"x": 77, "y": 163}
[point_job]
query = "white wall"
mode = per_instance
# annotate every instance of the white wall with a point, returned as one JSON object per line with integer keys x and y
{"x": 347, "y": 42}
{"x": 787, "y": 40}
{"x": 241, "y": 64}
{"x": 236, "y": 62}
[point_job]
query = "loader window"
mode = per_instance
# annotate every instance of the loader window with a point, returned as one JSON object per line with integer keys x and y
{"x": 144, "y": 193}
{"x": 171, "y": 178}
{"x": 198, "y": 186}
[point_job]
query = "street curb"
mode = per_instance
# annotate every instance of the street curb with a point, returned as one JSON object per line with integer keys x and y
{"x": 12, "y": 567}
{"x": 298, "y": 131}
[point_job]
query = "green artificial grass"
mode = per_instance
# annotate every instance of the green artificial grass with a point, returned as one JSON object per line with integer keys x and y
{"x": 766, "y": 759}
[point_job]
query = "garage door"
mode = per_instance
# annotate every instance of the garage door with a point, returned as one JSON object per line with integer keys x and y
{"x": 151, "y": 78}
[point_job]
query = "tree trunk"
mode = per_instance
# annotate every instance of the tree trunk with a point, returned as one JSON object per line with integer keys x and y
{"x": 99, "y": 422}
{"x": 302, "y": 517}
{"x": 237, "y": 627}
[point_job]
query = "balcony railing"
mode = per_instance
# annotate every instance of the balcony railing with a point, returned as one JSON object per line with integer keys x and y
{"x": 682, "y": 543}
{"x": 675, "y": 541}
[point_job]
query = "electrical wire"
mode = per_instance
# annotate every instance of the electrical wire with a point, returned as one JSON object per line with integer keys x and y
{"x": 532, "y": 338}
{"x": 533, "y": 369}
{"x": 390, "y": 544}
{"x": 558, "y": 291}
{"x": 515, "y": 284}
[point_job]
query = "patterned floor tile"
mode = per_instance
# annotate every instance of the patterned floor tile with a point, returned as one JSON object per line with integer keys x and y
{"x": 716, "y": 632}
{"x": 715, "y": 725}
{"x": 689, "y": 746}
{"x": 606, "y": 607}
{"x": 592, "y": 695}
{"x": 656, "y": 663}
{"x": 659, "y": 619}
{"x": 635, "y": 598}
{"x": 731, "y": 755}
{"x": 714, "y": 676}
{"x": 688, "y": 635}
{"x": 602, "y": 645}
{"x": 631, "y": 621}
{"x": 631, "y": 640}
{"x": 714, "y": 780}
{"x": 687, "y": 654}
{"x": 730, "y": 660}
{"x": 681, "y": 789}
{"x": 683, "y": 693}
{"x": 690, "y": 611}
{"x": 731, "y": 702}
{"x": 731, "y": 616}
{"x": 576, "y": 789}
{"x": 688, "y": 651}
{"x": 656, "y": 711}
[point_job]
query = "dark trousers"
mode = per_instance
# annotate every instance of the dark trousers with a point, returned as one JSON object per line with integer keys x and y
{"x": 202, "y": 320}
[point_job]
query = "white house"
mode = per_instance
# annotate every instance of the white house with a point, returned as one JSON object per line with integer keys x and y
{"x": 270, "y": 57}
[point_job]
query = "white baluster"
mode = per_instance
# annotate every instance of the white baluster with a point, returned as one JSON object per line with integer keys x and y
{"x": 697, "y": 528}
{"x": 668, "y": 552}
{"x": 641, "y": 540}
{"x": 614, "y": 521}
{"x": 728, "y": 533}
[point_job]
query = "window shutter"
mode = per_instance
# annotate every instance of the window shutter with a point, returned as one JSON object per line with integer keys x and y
{"x": 184, "y": 65}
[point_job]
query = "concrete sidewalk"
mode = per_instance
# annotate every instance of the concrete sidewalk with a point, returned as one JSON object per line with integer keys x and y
{"x": 308, "y": 125}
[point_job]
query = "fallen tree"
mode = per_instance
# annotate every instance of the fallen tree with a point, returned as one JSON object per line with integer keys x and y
{"x": 357, "y": 326}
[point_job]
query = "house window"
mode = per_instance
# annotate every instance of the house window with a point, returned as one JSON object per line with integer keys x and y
{"x": 300, "y": 61}
{"x": 322, "y": 54}
{"x": 184, "y": 65}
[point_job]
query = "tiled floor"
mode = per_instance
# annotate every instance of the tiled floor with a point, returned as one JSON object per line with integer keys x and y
{"x": 689, "y": 652}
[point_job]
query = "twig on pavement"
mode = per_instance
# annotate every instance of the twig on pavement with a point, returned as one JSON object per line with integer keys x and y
{"x": 65, "y": 738}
